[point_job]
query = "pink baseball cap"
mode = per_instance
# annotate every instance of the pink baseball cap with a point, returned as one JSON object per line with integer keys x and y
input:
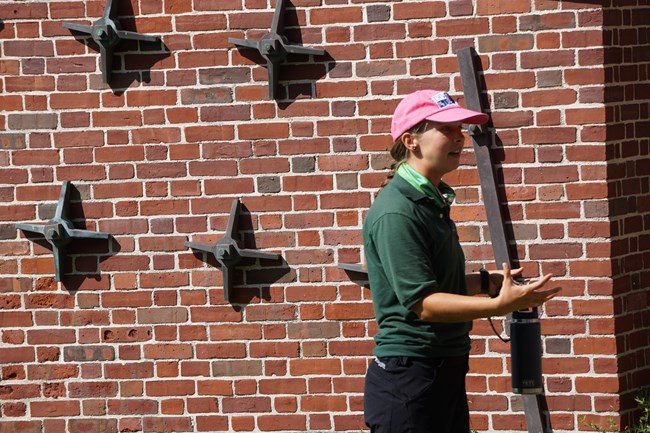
{"x": 433, "y": 105}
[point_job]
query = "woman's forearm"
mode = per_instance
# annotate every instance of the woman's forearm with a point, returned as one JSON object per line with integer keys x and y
{"x": 451, "y": 308}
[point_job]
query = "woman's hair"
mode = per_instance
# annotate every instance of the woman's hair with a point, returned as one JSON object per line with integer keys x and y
{"x": 400, "y": 153}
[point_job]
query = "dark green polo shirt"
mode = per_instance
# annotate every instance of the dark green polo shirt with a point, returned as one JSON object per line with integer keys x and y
{"x": 412, "y": 250}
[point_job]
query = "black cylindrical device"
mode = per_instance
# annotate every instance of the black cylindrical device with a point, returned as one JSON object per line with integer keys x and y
{"x": 526, "y": 352}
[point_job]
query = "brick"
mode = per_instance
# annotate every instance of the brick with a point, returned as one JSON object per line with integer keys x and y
{"x": 79, "y": 138}
{"x": 334, "y": 127}
{"x": 32, "y": 121}
{"x": 164, "y": 279}
{"x": 168, "y": 243}
{"x": 337, "y": 15}
{"x": 125, "y": 263}
{"x": 595, "y": 307}
{"x": 461, "y": 8}
{"x": 593, "y": 268}
{"x": 148, "y": 98}
{"x": 156, "y": 135}
{"x": 119, "y": 153}
{"x": 29, "y": 84}
{"x": 212, "y": 351}
{"x": 246, "y": 404}
{"x": 316, "y": 403}
{"x": 408, "y": 11}
{"x": 584, "y": 76}
{"x": 341, "y": 89}
{"x": 164, "y": 207}
{"x": 12, "y": 141}
{"x": 458, "y": 26}
{"x": 498, "y": 7}
{"x": 50, "y": 336}
{"x": 71, "y": 65}
{"x": 93, "y": 424}
{"x": 268, "y": 130}
{"x": 214, "y": 422}
{"x": 214, "y": 95}
{"x": 126, "y": 334}
{"x": 58, "y": 408}
{"x": 132, "y": 407}
{"x": 228, "y": 368}
{"x": 168, "y": 351}
{"x": 195, "y": 134}
{"x": 74, "y": 100}
{"x": 117, "y": 118}
{"x": 512, "y": 42}
{"x": 547, "y": 21}
{"x": 509, "y": 80}
{"x": 547, "y": 98}
{"x": 15, "y": 410}
{"x": 19, "y": 392}
{"x": 543, "y": 59}
{"x": 14, "y": 319}
{"x": 586, "y": 116}
{"x": 37, "y": 157}
{"x": 587, "y": 191}
{"x": 90, "y": 389}
{"x": 542, "y": 136}
{"x": 583, "y": 38}
{"x": 52, "y": 371}
{"x": 49, "y": 300}
{"x": 239, "y": 332}
{"x": 88, "y": 353}
{"x": 202, "y": 405}
{"x": 167, "y": 424}
{"x": 381, "y": 68}
{"x": 564, "y": 175}
{"x": 162, "y": 315}
{"x": 128, "y": 299}
{"x": 349, "y": 311}
{"x": 13, "y": 176}
{"x": 224, "y": 75}
{"x": 160, "y": 388}
{"x": 282, "y": 422}
{"x": 597, "y": 384}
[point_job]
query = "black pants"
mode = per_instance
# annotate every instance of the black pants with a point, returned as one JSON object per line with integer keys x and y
{"x": 416, "y": 395}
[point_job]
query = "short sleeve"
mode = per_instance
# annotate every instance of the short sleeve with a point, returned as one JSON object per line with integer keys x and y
{"x": 403, "y": 250}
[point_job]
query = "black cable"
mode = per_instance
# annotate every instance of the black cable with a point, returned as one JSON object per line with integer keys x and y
{"x": 505, "y": 340}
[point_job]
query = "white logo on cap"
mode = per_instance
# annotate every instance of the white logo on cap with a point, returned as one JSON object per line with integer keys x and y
{"x": 443, "y": 99}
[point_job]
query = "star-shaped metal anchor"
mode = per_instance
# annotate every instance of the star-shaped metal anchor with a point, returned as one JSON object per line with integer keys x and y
{"x": 275, "y": 47}
{"x": 229, "y": 251}
{"x": 59, "y": 231}
{"x": 107, "y": 32}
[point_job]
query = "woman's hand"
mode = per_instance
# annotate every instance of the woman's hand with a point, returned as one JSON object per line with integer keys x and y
{"x": 496, "y": 280}
{"x": 514, "y": 296}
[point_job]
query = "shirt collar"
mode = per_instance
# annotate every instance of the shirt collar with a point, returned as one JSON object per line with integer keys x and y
{"x": 410, "y": 192}
{"x": 443, "y": 195}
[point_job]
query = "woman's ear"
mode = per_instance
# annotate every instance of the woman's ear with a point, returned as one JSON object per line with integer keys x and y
{"x": 410, "y": 141}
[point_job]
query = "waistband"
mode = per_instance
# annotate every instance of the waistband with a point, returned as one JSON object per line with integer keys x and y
{"x": 408, "y": 360}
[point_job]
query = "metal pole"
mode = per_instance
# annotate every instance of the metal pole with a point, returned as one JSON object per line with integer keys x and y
{"x": 535, "y": 407}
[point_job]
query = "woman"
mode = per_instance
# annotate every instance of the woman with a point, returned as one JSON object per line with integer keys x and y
{"x": 421, "y": 295}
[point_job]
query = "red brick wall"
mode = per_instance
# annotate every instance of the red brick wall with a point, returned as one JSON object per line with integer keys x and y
{"x": 138, "y": 336}
{"x": 627, "y": 96}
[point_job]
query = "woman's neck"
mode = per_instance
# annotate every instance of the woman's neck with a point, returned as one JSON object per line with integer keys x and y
{"x": 434, "y": 178}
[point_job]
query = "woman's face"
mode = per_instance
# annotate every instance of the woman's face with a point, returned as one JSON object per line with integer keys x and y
{"x": 437, "y": 150}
